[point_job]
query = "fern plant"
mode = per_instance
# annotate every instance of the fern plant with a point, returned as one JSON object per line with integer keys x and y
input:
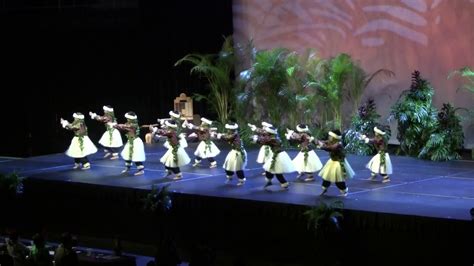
{"x": 466, "y": 73}
{"x": 416, "y": 117}
{"x": 158, "y": 200}
{"x": 11, "y": 185}
{"x": 362, "y": 123}
{"x": 448, "y": 138}
{"x": 324, "y": 217}
{"x": 265, "y": 87}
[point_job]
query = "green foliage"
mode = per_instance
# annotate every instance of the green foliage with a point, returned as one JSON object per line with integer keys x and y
{"x": 363, "y": 123}
{"x": 448, "y": 138}
{"x": 158, "y": 200}
{"x": 359, "y": 80}
{"x": 218, "y": 69}
{"x": 280, "y": 86}
{"x": 11, "y": 184}
{"x": 265, "y": 87}
{"x": 339, "y": 81}
{"x": 467, "y": 74}
{"x": 330, "y": 87}
{"x": 416, "y": 117}
{"x": 324, "y": 216}
{"x": 422, "y": 131}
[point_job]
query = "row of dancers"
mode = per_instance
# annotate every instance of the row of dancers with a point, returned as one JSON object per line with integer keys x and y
{"x": 275, "y": 160}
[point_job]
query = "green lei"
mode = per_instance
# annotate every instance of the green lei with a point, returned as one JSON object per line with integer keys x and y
{"x": 382, "y": 158}
{"x": 175, "y": 154}
{"x": 272, "y": 165}
{"x": 239, "y": 148}
{"x": 343, "y": 169}
{"x": 306, "y": 156}
{"x": 382, "y": 154}
{"x": 178, "y": 122}
{"x": 109, "y": 128}
{"x": 208, "y": 145}
{"x": 207, "y": 141}
{"x": 77, "y": 123}
{"x": 175, "y": 150}
{"x": 267, "y": 151}
{"x": 132, "y": 138}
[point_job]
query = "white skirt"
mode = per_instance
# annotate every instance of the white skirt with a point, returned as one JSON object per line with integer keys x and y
{"x": 183, "y": 143}
{"x": 234, "y": 161}
{"x": 204, "y": 151}
{"x": 375, "y": 167}
{"x": 114, "y": 142}
{"x": 283, "y": 164}
{"x": 138, "y": 153}
{"x": 168, "y": 158}
{"x": 332, "y": 171}
{"x": 261, "y": 158}
{"x": 313, "y": 164}
{"x": 75, "y": 151}
{"x": 167, "y": 144}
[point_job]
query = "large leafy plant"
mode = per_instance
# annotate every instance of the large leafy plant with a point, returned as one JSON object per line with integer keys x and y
{"x": 339, "y": 81}
{"x": 265, "y": 87}
{"x": 362, "y": 123}
{"x": 447, "y": 139}
{"x": 218, "y": 69}
{"x": 158, "y": 200}
{"x": 325, "y": 217}
{"x": 416, "y": 117}
{"x": 11, "y": 185}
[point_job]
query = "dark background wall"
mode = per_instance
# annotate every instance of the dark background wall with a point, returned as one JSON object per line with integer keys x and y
{"x": 80, "y": 55}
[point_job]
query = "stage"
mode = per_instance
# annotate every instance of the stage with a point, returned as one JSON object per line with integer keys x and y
{"x": 420, "y": 188}
{"x": 426, "y": 204}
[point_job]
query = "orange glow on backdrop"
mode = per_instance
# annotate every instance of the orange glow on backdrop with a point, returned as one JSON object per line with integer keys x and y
{"x": 432, "y": 36}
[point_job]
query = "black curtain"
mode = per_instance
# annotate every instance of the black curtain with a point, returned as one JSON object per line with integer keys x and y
{"x": 76, "y": 58}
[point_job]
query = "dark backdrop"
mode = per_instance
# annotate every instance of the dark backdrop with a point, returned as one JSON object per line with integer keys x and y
{"x": 80, "y": 55}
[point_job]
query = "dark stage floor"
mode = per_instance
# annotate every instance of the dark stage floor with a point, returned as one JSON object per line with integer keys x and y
{"x": 420, "y": 188}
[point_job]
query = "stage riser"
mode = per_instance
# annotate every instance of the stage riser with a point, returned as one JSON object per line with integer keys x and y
{"x": 259, "y": 229}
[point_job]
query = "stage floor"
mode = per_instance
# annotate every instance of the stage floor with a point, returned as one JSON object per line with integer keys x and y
{"x": 419, "y": 188}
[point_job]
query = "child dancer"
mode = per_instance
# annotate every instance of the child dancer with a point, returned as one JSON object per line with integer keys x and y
{"x": 307, "y": 161}
{"x": 176, "y": 117}
{"x": 134, "y": 150}
{"x": 111, "y": 140}
{"x": 176, "y": 156}
{"x": 236, "y": 159}
{"x": 280, "y": 162}
{"x": 337, "y": 169}
{"x": 81, "y": 146}
{"x": 265, "y": 152}
{"x": 380, "y": 163}
{"x": 206, "y": 148}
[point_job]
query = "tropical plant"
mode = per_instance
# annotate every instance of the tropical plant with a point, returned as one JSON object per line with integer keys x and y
{"x": 324, "y": 217}
{"x": 448, "y": 138}
{"x": 335, "y": 73}
{"x": 358, "y": 81}
{"x": 218, "y": 69}
{"x": 416, "y": 117}
{"x": 265, "y": 87}
{"x": 466, "y": 73}
{"x": 296, "y": 88}
{"x": 11, "y": 184}
{"x": 158, "y": 200}
{"x": 363, "y": 123}
{"x": 336, "y": 82}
